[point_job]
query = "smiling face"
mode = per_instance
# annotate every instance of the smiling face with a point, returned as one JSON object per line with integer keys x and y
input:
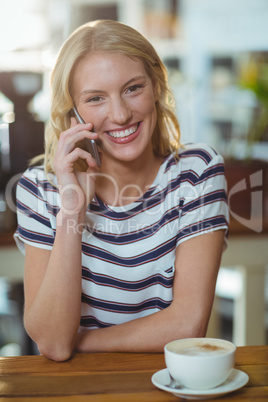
{"x": 115, "y": 93}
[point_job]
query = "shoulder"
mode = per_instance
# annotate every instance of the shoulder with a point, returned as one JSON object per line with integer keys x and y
{"x": 196, "y": 157}
{"x": 199, "y": 152}
{"x": 35, "y": 181}
{"x": 199, "y": 157}
{"x": 37, "y": 174}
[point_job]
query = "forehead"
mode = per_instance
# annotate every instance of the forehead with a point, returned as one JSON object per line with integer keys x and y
{"x": 103, "y": 67}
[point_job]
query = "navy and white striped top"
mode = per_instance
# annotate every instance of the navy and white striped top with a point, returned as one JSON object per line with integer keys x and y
{"x": 128, "y": 252}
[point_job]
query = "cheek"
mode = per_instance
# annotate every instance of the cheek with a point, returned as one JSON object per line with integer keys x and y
{"x": 97, "y": 116}
{"x": 148, "y": 106}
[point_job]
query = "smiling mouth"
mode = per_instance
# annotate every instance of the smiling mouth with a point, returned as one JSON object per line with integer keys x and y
{"x": 123, "y": 133}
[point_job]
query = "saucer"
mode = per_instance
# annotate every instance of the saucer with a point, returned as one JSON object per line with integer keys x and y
{"x": 236, "y": 380}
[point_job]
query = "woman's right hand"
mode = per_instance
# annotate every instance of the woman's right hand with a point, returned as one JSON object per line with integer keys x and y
{"x": 76, "y": 188}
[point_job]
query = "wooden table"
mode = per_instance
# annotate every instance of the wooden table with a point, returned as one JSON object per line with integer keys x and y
{"x": 113, "y": 377}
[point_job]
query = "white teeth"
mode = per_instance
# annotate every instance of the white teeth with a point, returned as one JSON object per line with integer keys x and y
{"x": 123, "y": 133}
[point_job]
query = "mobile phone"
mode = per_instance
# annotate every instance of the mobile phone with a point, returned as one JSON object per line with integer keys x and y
{"x": 90, "y": 145}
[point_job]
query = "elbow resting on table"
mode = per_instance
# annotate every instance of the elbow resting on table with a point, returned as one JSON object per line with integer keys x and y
{"x": 54, "y": 349}
{"x": 57, "y": 354}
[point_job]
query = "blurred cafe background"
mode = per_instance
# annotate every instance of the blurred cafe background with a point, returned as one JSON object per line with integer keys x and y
{"x": 216, "y": 53}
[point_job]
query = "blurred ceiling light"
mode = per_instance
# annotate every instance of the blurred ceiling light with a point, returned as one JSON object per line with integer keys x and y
{"x": 48, "y": 58}
{"x": 22, "y": 25}
{"x": 8, "y": 117}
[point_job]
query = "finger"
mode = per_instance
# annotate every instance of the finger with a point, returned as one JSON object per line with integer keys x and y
{"x": 90, "y": 160}
{"x": 79, "y": 153}
{"x": 73, "y": 122}
{"x": 69, "y": 138}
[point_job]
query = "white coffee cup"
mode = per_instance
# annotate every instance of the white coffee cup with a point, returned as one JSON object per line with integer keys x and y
{"x": 200, "y": 363}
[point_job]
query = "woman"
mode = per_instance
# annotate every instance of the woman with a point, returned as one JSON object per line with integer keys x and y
{"x": 123, "y": 256}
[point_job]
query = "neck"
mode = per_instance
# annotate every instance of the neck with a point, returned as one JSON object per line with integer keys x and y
{"x": 123, "y": 183}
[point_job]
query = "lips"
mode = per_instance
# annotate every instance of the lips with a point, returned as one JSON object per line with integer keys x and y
{"x": 125, "y": 135}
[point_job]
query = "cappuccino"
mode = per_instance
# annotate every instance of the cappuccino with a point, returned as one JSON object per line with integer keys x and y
{"x": 200, "y": 363}
{"x": 200, "y": 350}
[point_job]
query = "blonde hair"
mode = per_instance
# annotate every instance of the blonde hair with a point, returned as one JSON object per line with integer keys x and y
{"x": 112, "y": 36}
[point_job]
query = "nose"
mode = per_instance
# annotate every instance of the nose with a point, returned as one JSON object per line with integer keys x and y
{"x": 119, "y": 111}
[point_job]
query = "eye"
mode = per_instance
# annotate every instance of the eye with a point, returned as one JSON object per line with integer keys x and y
{"x": 94, "y": 99}
{"x": 134, "y": 88}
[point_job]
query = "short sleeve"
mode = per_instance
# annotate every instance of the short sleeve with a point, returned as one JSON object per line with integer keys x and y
{"x": 203, "y": 198}
{"x": 37, "y": 201}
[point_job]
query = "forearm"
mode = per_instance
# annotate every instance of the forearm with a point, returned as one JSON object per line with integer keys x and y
{"x": 147, "y": 334}
{"x": 52, "y": 317}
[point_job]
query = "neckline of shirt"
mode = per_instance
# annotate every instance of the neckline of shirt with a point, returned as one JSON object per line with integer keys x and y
{"x": 147, "y": 193}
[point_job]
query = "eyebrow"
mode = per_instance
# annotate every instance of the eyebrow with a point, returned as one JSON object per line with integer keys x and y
{"x": 99, "y": 91}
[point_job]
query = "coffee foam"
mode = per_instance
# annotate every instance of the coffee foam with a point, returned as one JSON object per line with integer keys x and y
{"x": 195, "y": 348}
{"x": 200, "y": 350}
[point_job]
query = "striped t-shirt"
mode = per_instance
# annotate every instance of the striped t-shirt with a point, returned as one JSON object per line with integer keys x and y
{"x": 128, "y": 252}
